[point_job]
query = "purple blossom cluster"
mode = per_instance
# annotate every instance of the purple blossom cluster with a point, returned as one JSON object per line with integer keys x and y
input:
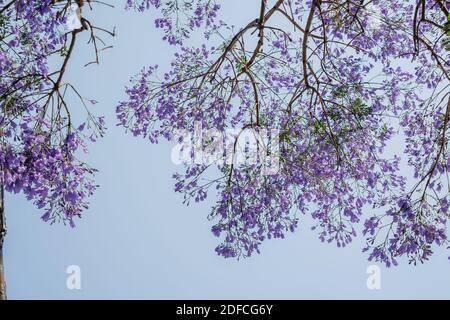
{"x": 179, "y": 18}
{"x": 338, "y": 90}
{"x": 39, "y": 143}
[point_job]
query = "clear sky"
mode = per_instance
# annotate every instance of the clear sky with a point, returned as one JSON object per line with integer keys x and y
{"x": 138, "y": 241}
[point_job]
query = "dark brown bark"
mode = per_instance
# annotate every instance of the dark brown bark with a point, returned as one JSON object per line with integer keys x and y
{"x": 2, "y": 238}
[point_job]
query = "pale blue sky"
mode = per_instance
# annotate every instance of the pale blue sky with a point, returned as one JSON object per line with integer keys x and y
{"x": 137, "y": 240}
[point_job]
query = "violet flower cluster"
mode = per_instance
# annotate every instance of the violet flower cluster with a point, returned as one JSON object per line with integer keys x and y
{"x": 339, "y": 88}
{"x": 39, "y": 142}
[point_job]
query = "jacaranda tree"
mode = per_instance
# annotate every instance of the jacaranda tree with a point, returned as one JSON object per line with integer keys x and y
{"x": 39, "y": 139}
{"x": 339, "y": 79}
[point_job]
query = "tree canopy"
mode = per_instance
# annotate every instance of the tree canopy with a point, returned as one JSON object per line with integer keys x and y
{"x": 338, "y": 79}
